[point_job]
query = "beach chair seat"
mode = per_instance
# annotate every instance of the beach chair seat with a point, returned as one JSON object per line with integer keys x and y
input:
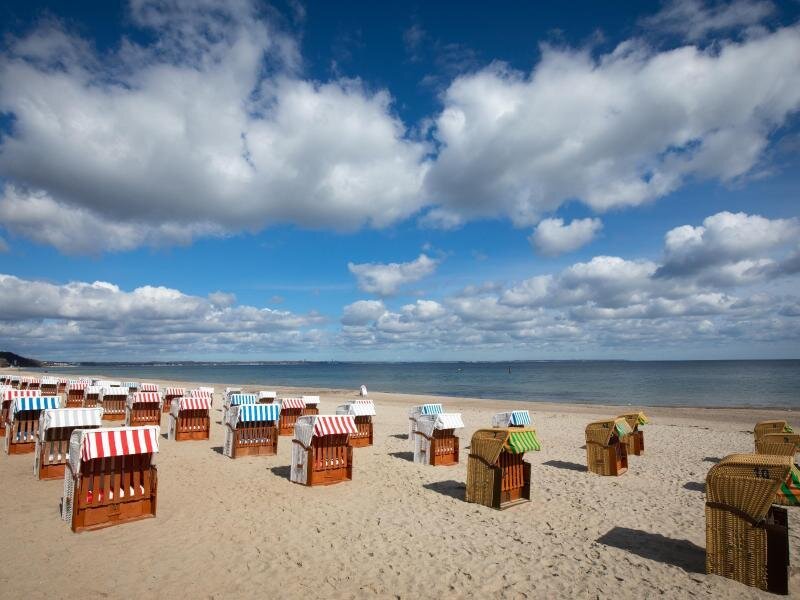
{"x": 111, "y": 477}
{"x": 513, "y": 418}
{"x": 143, "y": 408}
{"x": 747, "y": 537}
{"x": 321, "y": 454}
{"x": 362, "y": 411}
{"x": 497, "y": 475}
{"x": 605, "y": 452}
{"x": 252, "y": 430}
{"x": 189, "y": 418}
{"x": 52, "y": 441}
{"x": 435, "y": 440}
{"x": 634, "y": 441}
{"x": 416, "y": 411}
{"x": 291, "y": 410}
{"x": 22, "y": 425}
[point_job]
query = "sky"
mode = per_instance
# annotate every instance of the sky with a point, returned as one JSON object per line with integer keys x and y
{"x": 398, "y": 181}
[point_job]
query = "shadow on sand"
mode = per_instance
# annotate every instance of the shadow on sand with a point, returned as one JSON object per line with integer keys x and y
{"x": 451, "y": 487}
{"x": 562, "y": 464}
{"x": 409, "y": 456}
{"x": 680, "y": 553}
{"x": 694, "y": 486}
{"x": 217, "y": 449}
{"x": 281, "y": 471}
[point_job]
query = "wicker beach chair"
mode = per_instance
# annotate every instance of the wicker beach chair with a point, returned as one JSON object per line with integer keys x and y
{"x": 52, "y": 440}
{"x": 414, "y": 413}
{"x": 362, "y": 412}
{"x": 497, "y": 475}
{"x": 143, "y": 408}
{"x": 514, "y": 418}
{"x": 252, "y": 430}
{"x": 605, "y": 452}
{"x": 22, "y": 425}
{"x": 780, "y": 444}
{"x": 320, "y": 452}
{"x": 435, "y": 440}
{"x": 111, "y": 477}
{"x": 767, "y": 427}
{"x": 634, "y": 442}
{"x": 747, "y": 538}
{"x": 189, "y": 417}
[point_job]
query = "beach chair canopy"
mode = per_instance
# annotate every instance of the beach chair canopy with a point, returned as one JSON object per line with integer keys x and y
{"x": 310, "y": 400}
{"x": 32, "y": 403}
{"x": 488, "y": 444}
{"x": 426, "y": 424}
{"x": 108, "y": 383}
{"x": 292, "y": 403}
{"x": 357, "y": 408}
{"x": 88, "y": 444}
{"x": 14, "y": 379}
{"x": 232, "y": 390}
{"x": 148, "y": 387}
{"x": 236, "y": 399}
{"x": 29, "y": 380}
{"x": 94, "y": 389}
{"x": 766, "y": 427}
{"x": 131, "y": 385}
{"x": 113, "y": 392}
{"x": 208, "y": 389}
{"x": 518, "y": 418}
{"x": 77, "y": 386}
{"x": 747, "y": 484}
{"x": 10, "y": 394}
{"x": 69, "y": 417}
{"x": 174, "y": 391}
{"x": 635, "y": 420}
{"x": 253, "y": 413}
{"x": 601, "y": 431}
{"x": 308, "y": 427}
{"x": 144, "y": 398}
{"x": 268, "y": 394}
{"x": 189, "y": 403}
{"x": 200, "y": 393}
{"x": 49, "y": 380}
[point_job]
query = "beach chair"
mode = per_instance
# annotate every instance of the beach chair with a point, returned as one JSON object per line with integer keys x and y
{"x": 435, "y": 440}
{"x": 236, "y": 400}
{"x": 114, "y": 401}
{"x": 148, "y": 387}
{"x": 497, "y": 475}
{"x": 189, "y": 418}
{"x": 143, "y": 408}
{"x": 52, "y": 441}
{"x": 634, "y": 441}
{"x": 362, "y": 412}
{"x": 291, "y": 410}
{"x": 30, "y": 384}
{"x": 170, "y": 394}
{"x": 14, "y": 380}
{"x": 23, "y": 421}
{"x": 229, "y": 391}
{"x": 766, "y": 427}
{"x": 62, "y": 385}
{"x": 7, "y": 396}
{"x": 605, "y": 452}
{"x": 415, "y": 411}
{"x": 252, "y": 430}
{"x": 75, "y": 394}
{"x": 133, "y": 386}
{"x": 91, "y": 396}
{"x": 320, "y": 452}
{"x": 267, "y": 397}
{"x": 311, "y": 405}
{"x": 49, "y": 386}
{"x": 111, "y": 477}
{"x": 203, "y": 392}
{"x": 780, "y": 444}
{"x": 747, "y": 538}
{"x": 514, "y": 418}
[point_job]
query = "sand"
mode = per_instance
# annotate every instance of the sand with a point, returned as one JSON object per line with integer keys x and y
{"x": 238, "y": 528}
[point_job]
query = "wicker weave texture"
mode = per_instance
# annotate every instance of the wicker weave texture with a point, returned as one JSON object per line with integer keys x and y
{"x": 780, "y": 444}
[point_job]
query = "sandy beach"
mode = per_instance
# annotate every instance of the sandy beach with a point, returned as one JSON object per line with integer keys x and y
{"x": 238, "y": 528}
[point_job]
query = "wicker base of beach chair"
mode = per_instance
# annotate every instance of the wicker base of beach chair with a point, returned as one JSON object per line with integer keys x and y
{"x": 254, "y": 440}
{"x": 634, "y": 443}
{"x": 443, "y": 448}
{"x": 364, "y": 437}
{"x": 287, "y": 420}
{"x": 74, "y": 402}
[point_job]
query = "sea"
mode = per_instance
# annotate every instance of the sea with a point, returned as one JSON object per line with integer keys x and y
{"x": 718, "y": 383}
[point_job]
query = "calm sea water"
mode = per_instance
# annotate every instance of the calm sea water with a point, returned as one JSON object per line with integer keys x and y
{"x": 674, "y": 383}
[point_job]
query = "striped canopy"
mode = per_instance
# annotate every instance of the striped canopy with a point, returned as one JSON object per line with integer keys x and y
{"x": 108, "y": 383}
{"x": 248, "y": 413}
{"x": 49, "y": 381}
{"x": 622, "y": 427}
{"x": 70, "y": 417}
{"x": 131, "y": 385}
{"x": 357, "y": 408}
{"x": 114, "y": 391}
{"x": 93, "y": 389}
{"x": 118, "y": 441}
{"x": 334, "y": 425}
{"x": 146, "y": 397}
{"x": 29, "y": 379}
{"x": 11, "y": 394}
{"x": 310, "y": 400}
{"x": 174, "y": 391}
{"x": 148, "y": 387}
{"x": 236, "y": 399}
{"x": 292, "y": 403}
{"x": 193, "y": 403}
{"x": 515, "y": 418}
{"x": 431, "y": 409}
{"x": 77, "y": 385}
{"x": 427, "y": 423}
{"x": 33, "y": 403}
{"x": 62, "y": 381}
{"x": 199, "y": 393}
{"x": 210, "y": 390}
{"x": 523, "y": 441}
{"x": 267, "y": 394}
{"x": 232, "y": 390}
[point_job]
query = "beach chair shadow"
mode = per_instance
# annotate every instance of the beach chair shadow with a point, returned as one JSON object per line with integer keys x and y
{"x": 679, "y": 553}
{"x": 712, "y": 459}
{"x": 400, "y": 436}
{"x": 695, "y": 486}
{"x": 217, "y": 449}
{"x": 562, "y": 464}
{"x": 282, "y": 471}
{"x": 409, "y": 456}
{"x": 451, "y": 487}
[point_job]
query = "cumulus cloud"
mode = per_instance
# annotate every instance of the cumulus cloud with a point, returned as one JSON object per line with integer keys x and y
{"x": 362, "y": 312}
{"x": 154, "y": 144}
{"x": 694, "y": 19}
{"x": 89, "y": 319}
{"x": 551, "y": 237}
{"x": 387, "y": 279}
{"x": 613, "y": 130}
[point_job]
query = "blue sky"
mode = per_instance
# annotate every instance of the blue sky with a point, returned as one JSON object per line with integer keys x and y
{"x": 393, "y": 181}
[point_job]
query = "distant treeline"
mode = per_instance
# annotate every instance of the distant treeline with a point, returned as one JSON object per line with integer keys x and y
{"x": 8, "y": 359}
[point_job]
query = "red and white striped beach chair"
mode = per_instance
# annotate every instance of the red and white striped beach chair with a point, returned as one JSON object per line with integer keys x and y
{"x": 362, "y": 412}
{"x": 143, "y": 408}
{"x": 291, "y": 410}
{"x": 75, "y": 393}
{"x": 320, "y": 452}
{"x": 170, "y": 394}
{"x": 189, "y": 417}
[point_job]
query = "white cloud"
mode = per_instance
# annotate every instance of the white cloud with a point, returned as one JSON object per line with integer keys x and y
{"x": 387, "y": 279}
{"x": 694, "y": 19}
{"x": 614, "y": 130}
{"x": 551, "y": 237}
{"x": 362, "y": 312}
